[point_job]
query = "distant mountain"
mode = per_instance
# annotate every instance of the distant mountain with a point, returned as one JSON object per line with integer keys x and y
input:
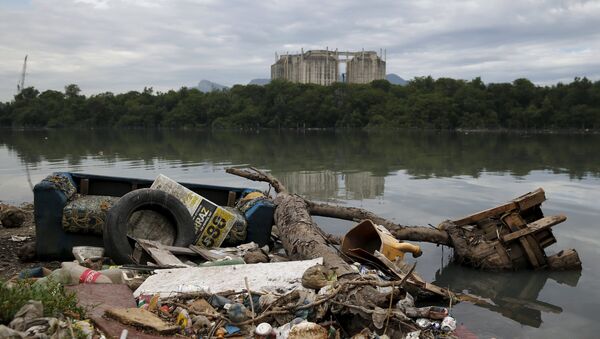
{"x": 260, "y": 82}
{"x": 395, "y": 79}
{"x": 209, "y": 86}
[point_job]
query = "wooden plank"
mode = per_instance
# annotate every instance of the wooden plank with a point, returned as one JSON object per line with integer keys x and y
{"x": 565, "y": 260}
{"x": 206, "y": 254}
{"x": 84, "y": 186}
{"x": 523, "y": 202}
{"x": 530, "y": 199}
{"x": 142, "y": 318}
{"x": 160, "y": 255}
{"x": 231, "y": 199}
{"x": 473, "y": 218}
{"x": 180, "y": 250}
{"x": 545, "y": 239}
{"x": 532, "y": 250}
{"x": 534, "y": 227}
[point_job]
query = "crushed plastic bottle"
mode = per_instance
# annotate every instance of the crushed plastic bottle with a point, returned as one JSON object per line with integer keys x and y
{"x": 114, "y": 274}
{"x": 448, "y": 324}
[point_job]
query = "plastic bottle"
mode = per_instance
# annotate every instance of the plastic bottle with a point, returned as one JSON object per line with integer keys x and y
{"x": 82, "y": 275}
{"x": 448, "y": 324}
{"x": 58, "y": 275}
{"x": 114, "y": 274}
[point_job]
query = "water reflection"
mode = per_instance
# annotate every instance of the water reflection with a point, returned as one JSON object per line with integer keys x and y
{"x": 514, "y": 294}
{"x": 420, "y": 154}
{"x": 326, "y": 184}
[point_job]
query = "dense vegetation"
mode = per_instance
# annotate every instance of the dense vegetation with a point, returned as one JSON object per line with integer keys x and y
{"x": 423, "y": 103}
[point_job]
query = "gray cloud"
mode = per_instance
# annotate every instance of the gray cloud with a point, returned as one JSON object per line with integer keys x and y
{"x": 120, "y": 45}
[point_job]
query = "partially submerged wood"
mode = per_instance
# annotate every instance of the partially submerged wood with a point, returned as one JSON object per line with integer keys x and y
{"x": 510, "y": 236}
{"x": 409, "y": 233}
{"x": 564, "y": 260}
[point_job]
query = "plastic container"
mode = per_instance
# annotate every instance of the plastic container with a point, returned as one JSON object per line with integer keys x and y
{"x": 258, "y": 210}
{"x": 448, "y": 324}
{"x": 59, "y": 275}
{"x": 114, "y": 274}
{"x": 83, "y": 275}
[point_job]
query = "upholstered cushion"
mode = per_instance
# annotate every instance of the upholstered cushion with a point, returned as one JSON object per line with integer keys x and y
{"x": 87, "y": 213}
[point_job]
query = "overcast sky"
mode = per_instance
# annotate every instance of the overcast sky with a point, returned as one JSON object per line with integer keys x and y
{"x": 121, "y": 45}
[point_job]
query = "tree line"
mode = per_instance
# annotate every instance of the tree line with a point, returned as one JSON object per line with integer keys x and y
{"x": 424, "y": 103}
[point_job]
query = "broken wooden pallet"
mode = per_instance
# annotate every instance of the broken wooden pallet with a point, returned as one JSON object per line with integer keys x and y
{"x": 510, "y": 236}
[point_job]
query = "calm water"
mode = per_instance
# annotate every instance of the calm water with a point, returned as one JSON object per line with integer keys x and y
{"x": 412, "y": 178}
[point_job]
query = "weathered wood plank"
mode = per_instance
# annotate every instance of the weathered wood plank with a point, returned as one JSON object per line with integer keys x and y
{"x": 565, "y": 260}
{"x": 534, "y": 227}
{"x": 206, "y": 253}
{"x": 180, "y": 250}
{"x": 521, "y": 203}
{"x": 141, "y": 317}
{"x": 231, "y": 199}
{"x": 530, "y": 199}
{"x": 535, "y": 255}
{"x": 473, "y": 218}
{"x": 160, "y": 255}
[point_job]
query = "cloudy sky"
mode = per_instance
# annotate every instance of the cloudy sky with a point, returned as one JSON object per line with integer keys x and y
{"x": 120, "y": 45}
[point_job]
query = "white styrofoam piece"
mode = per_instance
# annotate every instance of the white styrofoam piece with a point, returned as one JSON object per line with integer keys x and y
{"x": 263, "y": 277}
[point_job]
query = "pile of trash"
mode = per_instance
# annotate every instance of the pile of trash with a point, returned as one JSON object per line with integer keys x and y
{"x": 216, "y": 286}
{"x": 274, "y": 299}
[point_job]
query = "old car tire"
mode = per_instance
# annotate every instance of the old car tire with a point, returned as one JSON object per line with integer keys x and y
{"x": 116, "y": 243}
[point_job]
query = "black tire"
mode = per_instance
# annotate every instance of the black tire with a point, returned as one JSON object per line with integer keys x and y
{"x": 116, "y": 243}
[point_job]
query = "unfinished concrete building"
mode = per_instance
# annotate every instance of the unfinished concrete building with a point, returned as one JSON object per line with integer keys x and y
{"x": 365, "y": 67}
{"x": 322, "y": 67}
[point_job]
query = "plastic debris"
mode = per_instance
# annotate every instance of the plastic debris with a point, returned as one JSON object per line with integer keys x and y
{"x": 81, "y": 253}
{"x": 448, "y": 324}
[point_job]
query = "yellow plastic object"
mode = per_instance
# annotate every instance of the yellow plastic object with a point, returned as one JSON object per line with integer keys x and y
{"x": 252, "y": 195}
{"x": 370, "y": 237}
{"x": 392, "y": 248}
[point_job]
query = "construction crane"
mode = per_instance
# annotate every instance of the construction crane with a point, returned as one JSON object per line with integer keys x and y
{"x": 21, "y": 84}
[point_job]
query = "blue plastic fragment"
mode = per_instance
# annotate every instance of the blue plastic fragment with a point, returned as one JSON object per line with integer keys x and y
{"x": 231, "y": 329}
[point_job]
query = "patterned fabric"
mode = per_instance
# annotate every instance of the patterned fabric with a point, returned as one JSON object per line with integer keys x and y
{"x": 87, "y": 213}
{"x": 245, "y": 204}
{"x": 237, "y": 234}
{"x": 63, "y": 183}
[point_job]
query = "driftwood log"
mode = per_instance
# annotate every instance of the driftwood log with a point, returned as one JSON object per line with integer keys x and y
{"x": 409, "y": 233}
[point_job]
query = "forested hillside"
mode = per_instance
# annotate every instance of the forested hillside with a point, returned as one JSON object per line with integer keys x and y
{"x": 424, "y": 103}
